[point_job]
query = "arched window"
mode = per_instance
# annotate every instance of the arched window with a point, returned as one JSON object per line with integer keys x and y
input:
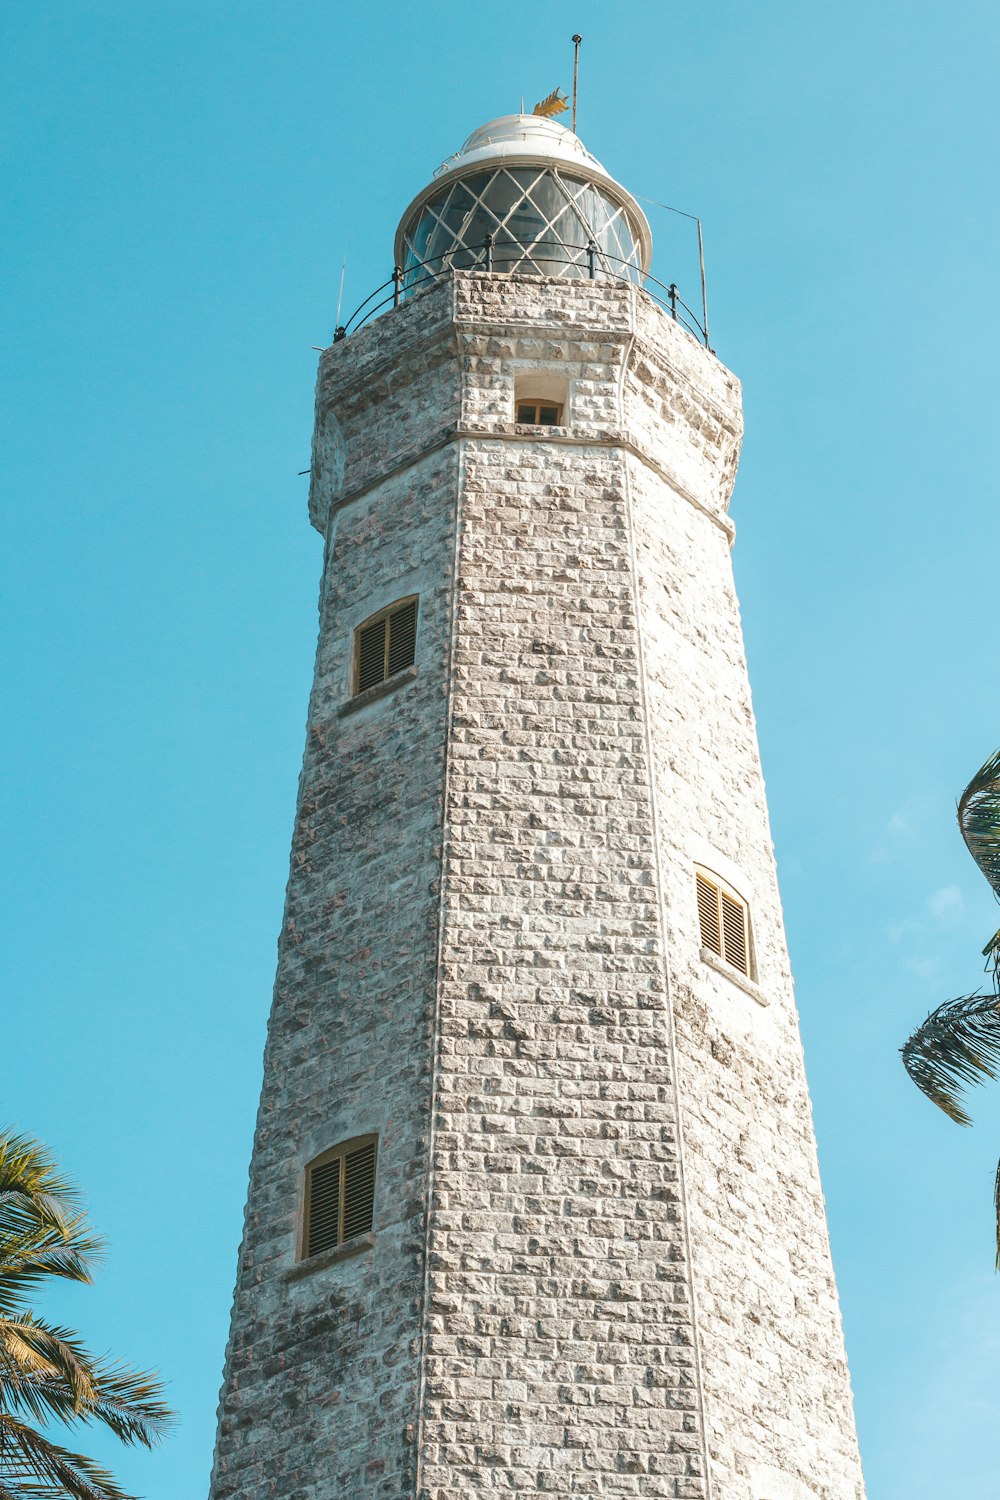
{"x": 340, "y": 1195}
{"x": 724, "y": 920}
{"x": 541, "y": 398}
{"x": 385, "y": 644}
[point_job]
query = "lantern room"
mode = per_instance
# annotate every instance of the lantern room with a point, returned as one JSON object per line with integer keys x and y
{"x": 523, "y": 195}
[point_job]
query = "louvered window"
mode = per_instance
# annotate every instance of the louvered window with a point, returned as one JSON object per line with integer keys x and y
{"x": 724, "y": 922}
{"x": 385, "y": 644}
{"x": 340, "y": 1195}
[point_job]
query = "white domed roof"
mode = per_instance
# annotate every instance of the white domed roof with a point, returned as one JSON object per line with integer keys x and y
{"x": 523, "y": 136}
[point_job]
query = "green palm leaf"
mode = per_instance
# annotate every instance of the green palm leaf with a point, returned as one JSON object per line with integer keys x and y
{"x": 29, "y": 1258}
{"x": 33, "y": 1468}
{"x": 957, "y": 1045}
{"x": 32, "y": 1189}
{"x": 42, "y": 1231}
{"x": 979, "y": 820}
{"x": 46, "y": 1373}
{"x": 46, "y": 1370}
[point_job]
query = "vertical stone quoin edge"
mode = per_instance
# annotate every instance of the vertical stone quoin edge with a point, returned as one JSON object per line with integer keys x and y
{"x": 728, "y": 478}
{"x": 778, "y": 1398}
{"x": 324, "y": 1355}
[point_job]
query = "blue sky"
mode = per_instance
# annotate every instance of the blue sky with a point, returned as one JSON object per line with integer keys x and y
{"x": 182, "y": 180}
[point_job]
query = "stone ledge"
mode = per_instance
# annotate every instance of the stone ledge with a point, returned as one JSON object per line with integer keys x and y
{"x": 380, "y": 690}
{"x": 347, "y": 1251}
{"x": 609, "y": 440}
{"x": 733, "y": 975}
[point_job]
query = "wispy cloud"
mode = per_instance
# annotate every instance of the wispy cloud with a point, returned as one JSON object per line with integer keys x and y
{"x": 900, "y": 832}
{"x": 923, "y": 935}
{"x": 947, "y": 906}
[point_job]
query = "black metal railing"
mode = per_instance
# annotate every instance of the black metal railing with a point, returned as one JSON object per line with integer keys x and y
{"x": 599, "y": 264}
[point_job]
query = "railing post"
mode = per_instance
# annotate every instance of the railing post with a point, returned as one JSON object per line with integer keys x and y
{"x": 488, "y": 247}
{"x": 592, "y": 259}
{"x": 672, "y": 294}
{"x": 397, "y": 282}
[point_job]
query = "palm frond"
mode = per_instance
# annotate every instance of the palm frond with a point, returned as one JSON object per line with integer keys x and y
{"x": 957, "y": 1045}
{"x": 991, "y": 953}
{"x": 46, "y": 1373}
{"x": 30, "y": 1343}
{"x": 130, "y": 1403}
{"x": 979, "y": 819}
{"x": 43, "y": 1231}
{"x": 29, "y": 1260}
{"x": 33, "y": 1468}
{"x": 37, "y": 1395}
{"x": 31, "y": 1183}
{"x": 996, "y": 1205}
{"x": 46, "y": 1367}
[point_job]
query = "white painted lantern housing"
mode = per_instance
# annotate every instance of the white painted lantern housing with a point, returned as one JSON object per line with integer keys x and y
{"x": 549, "y": 206}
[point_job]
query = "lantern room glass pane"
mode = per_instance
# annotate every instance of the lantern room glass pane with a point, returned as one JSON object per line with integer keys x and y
{"x": 505, "y": 190}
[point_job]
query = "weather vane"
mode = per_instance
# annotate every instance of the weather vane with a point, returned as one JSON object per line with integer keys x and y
{"x": 556, "y": 103}
{"x": 553, "y": 104}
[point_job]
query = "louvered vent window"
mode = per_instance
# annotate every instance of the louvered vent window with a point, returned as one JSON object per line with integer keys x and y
{"x": 340, "y": 1195}
{"x": 724, "y": 922}
{"x": 385, "y": 644}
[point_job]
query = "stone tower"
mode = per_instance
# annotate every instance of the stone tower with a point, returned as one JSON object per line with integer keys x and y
{"x": 534, "y": 1206}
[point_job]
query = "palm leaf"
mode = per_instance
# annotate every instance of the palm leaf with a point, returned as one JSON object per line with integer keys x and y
{"x": 42, "y": 1230}
{"x": 979, "y": 820}
{"x": 31, "y": 1184}
{"x": 45, "y": 1398}
{"x": 957, "y": 1045}
{"x": 36, "y": 1395}
{"x": 43, "y": 1366}
{"x": 46, "y": 1373}
{"x": 33, "y": 1346}
{"x": 31, "y": 1258}
{"x": 32, "y": 1468}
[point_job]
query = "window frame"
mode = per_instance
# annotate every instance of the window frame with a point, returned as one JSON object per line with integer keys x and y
{"x": 382, "y": 615}
{"x": 341, "y": 1151}
{"x": 538, "y": 403}
{"x": 725, "y": 890}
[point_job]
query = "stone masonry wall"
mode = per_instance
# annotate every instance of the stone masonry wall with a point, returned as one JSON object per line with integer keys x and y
{"x": 777, "y": 1392}
{"x": 599, "y": 1263}
{"x": 559, "y": 1350}
{"x": 320, "y": 1393}
{"x": 560, "y": 1345}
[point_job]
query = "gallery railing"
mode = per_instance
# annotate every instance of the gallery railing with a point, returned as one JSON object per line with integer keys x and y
{"x": 600, "y": 264}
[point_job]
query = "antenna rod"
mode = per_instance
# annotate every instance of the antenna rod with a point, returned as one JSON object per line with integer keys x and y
{"x": 704, "y": 293}
{"x": 577, "y": 39}
{"x": 701, "y": 255}
{"x": 340, "y": 297}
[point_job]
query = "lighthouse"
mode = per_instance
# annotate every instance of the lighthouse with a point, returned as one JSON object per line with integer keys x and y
{"x": 534, "y": 1206}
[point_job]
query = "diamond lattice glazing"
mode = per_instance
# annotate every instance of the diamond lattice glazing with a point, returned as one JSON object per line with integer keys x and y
{"x": 542, "y": 222}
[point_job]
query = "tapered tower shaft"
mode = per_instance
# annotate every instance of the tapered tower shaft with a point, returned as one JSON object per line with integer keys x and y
{"x": 532, "y": 971}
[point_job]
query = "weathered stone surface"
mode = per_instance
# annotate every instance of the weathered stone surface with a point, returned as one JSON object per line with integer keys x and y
{"x": 599, "y": 1264}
